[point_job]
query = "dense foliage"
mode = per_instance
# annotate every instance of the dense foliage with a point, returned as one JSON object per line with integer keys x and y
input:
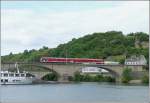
{"x": 145, "y": 79}
{"x": 112, "y": 45}
{"x": 90, "y": 78}
{"x": 126, "y": 75}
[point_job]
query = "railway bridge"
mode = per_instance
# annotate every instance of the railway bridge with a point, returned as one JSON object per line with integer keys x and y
{"x": 68, "y": 69}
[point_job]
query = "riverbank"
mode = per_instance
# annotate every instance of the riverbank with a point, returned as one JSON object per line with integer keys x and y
{"x": 132, "y": 82}
{"x": 76, "y": 102}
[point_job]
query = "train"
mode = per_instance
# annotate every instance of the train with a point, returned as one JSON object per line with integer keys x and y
{"x": 77, "y": 61}
{"x": 71, "y": 60}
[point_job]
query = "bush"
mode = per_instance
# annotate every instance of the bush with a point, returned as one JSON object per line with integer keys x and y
{"x": 88, "y": 78}
{"x": 126, "y": 75}
{"x": 77, "y": 76}
{"x": 70, "y": 78}
{"x": 109, "y": 79}
{"x": 98, "y": 78}
{"x": 145, "y": 79}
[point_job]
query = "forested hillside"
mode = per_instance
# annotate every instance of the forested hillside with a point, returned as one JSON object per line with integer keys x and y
{"x": 112, "y": 45}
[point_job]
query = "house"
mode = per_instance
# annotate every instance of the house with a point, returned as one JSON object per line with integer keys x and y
{"x": 136, "y": 60}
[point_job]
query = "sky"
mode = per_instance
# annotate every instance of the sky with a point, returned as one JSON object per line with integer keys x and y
{"x": 34, "y": 24}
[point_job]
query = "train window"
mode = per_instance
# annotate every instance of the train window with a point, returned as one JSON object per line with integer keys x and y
{"x": 43, "y": 59}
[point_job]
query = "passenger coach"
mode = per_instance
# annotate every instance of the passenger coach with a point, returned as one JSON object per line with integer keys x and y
{"x": 71, "y": 60}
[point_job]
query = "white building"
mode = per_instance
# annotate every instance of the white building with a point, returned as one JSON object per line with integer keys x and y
{"x": 93, "y": 70}
{"x": 134, "y": 60}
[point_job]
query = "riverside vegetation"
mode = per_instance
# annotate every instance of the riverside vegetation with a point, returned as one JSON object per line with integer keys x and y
{"x": 78, "y": 77}
{"x": 90, "y": 78}
{"x": 127, "y": 76}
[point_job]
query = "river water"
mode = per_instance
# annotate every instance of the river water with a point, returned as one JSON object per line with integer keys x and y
{"x": 74, "y": 93}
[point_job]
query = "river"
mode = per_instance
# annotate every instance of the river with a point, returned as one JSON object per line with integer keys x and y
{"x": 74, "y": 93}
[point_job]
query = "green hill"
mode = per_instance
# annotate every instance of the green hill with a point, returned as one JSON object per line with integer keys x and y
{"x": 112, "y": 44}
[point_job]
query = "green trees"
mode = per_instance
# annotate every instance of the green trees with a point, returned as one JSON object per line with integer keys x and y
{"x": 90, "y": 78}
{"x": 145, "y": 79}
{"x": 77, "y": 77}
{"x": 142, "y": 36}
{"x": 126, "y": 75}
{"x": 25, "y": 52}
{"x": 98, "y": 78}
{"x": 109, "y": 79}
{"x": 96, "y": 45}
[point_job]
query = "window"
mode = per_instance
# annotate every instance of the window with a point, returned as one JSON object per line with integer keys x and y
{"x": 1, "y": 80}
{"x": 17, "y": 75}
{"x": 6, "y": 80}
{"x": 11, "y": 75}
{"x": 22, "y": 75}
{"x": 29, "y": 75}
{"x": 5, "y": 75}
{"x": 16, "y": 80}
{"x": 1, "y": 74}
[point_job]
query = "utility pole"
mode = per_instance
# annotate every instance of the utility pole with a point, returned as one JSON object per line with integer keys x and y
{"x": 66, "y": 54}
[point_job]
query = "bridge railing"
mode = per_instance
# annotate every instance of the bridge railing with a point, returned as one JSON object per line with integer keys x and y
{"x": 70, "y": 64}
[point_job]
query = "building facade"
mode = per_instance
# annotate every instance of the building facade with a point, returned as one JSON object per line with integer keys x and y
{"x": 136, "y": 60}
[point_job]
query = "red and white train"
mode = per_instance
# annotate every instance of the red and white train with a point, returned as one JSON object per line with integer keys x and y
{"x": 71, "y": 60}
{"x": 77, "y": 60}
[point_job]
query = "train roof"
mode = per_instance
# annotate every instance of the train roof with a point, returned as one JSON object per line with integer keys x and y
{"x": 71, "y": 58}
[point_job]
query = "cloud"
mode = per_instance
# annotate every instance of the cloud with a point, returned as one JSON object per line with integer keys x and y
{"x": 30, "y": 28}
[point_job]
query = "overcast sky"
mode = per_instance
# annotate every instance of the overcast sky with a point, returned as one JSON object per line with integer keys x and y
{"x": 33, "y": 24}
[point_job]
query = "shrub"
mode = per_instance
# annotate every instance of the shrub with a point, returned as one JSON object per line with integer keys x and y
{"x": 126, "y": 75}
{"x": 88, "y": 78}
{"x": 77, "y": 76}
{"x": 98, "y": 78}
{"x": 109, "y": 79}
{"x": 145, "y": 79}
{"x": 70, "y": 78}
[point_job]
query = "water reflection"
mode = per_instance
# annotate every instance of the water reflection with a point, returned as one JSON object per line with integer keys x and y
{"x": 74, "y": 93}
